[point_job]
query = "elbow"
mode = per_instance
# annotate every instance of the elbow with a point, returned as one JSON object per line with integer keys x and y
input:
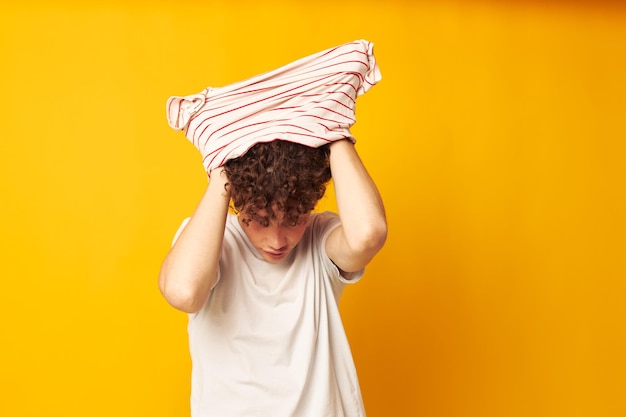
{"x": 372, "y": 239}
{"x": 378, "y": 236}
{"x": 181, "y": 297}
{"x": 183, "y": 301}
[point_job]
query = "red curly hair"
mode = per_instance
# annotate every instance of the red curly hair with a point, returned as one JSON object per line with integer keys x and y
{"x": 278, "y": 180}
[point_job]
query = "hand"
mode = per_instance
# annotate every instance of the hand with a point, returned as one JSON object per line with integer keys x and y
{"x": 218, "y": 176}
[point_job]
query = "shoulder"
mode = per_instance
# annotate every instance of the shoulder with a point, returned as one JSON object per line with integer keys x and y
{"x": 323, "y": 225}
{"x": 320, "y": 225}
{"x": 323, "y": 222}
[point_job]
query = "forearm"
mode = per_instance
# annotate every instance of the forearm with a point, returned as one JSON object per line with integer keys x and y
{"x": 363, "y": 222}
{"x": 189, "y": 270}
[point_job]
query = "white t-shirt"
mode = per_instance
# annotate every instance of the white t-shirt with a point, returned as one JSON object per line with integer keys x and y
{"x": 269, "y": 342}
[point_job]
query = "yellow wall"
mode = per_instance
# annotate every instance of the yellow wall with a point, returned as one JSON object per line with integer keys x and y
{"x": 497, "y": 138}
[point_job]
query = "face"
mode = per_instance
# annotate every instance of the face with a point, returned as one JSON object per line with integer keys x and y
{"x": 275, "y": 241}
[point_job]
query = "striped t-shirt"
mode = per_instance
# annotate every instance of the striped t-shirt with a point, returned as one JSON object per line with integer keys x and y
{"x": 310, "y": 101}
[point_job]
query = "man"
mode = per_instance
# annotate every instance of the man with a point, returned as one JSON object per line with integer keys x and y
{"x": 262, "y": 286}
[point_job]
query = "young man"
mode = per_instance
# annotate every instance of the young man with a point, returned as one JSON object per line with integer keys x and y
{"x": 262, "y": 286}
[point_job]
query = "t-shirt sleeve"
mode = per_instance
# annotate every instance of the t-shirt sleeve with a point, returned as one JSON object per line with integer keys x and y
{"x": 325, "y": 223}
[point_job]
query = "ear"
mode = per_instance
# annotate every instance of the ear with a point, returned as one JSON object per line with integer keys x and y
{"x": 181, "y": 109}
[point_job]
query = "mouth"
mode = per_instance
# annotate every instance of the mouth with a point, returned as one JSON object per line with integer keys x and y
{"x": 276, "y": 255}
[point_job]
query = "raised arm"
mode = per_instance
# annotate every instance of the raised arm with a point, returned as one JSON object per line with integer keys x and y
{"x": 363, "y": 229}
{"x": 189, "y": 270}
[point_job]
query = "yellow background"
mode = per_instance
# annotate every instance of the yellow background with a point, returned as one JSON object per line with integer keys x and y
{"x": 497, "y": 139}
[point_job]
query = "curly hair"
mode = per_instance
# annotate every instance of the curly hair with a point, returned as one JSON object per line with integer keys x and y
{"x": 282, "y": 179}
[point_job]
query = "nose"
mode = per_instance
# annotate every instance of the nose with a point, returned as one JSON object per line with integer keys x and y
{"x": 276, "y": 239}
